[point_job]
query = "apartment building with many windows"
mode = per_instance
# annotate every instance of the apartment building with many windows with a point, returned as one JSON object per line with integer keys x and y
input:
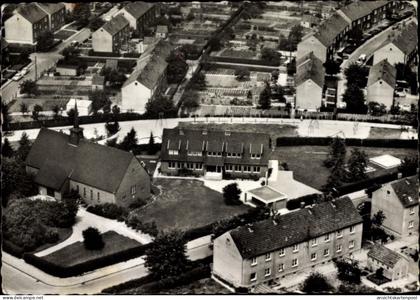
{"x": 267, "y": 251}
{"x": 111, "y": 37}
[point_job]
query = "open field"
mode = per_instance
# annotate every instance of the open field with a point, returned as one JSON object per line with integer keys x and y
{"x": 76, "y": 253}
{"x": 306, "y": 162}
{"x": 184, "y": 204}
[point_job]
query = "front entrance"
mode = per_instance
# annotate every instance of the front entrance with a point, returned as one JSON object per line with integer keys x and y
{"x": 217, "y": 169}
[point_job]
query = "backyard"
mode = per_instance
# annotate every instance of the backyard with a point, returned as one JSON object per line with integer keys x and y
{"x": 184, "y": 204}
{"x": 306, "y": 162}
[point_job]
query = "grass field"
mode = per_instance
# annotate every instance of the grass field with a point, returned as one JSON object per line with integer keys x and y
{"x": 185, "y": 204}
{"x": 63, "y": 34}
{"x": 76, "y": 252}
{"x": 306, "y": 162}
{"x": 205, "y": 286}
{"x": 63, "y": 234}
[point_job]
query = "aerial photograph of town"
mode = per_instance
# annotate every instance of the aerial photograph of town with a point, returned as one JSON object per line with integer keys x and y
{"x": 210, "y": 148}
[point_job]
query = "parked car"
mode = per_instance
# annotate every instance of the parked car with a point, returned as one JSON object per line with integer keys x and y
{"x": 17, "y": 77}
{"x": 400, "y": 93}
{"x": 24, "y": 71}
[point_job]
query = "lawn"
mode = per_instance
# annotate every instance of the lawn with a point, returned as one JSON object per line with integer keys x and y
{"x": 46, "y": 103}
{"x": 185, "y": 204}
{"x": 274, "y": 130}
{"x": 76, "y": 253}
{"x": 205, "y": 286}
{"x": 64, "y": 34}
{"x": 384, "y": 133}
{"x": 63, "y": 234}
{"x": 306, "y": 162}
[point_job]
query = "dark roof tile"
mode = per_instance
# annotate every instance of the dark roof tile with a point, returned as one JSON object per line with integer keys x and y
{"x": 407, "y": 190}
{"x": 383, "y": 70}
{"x": 384, "y": 255}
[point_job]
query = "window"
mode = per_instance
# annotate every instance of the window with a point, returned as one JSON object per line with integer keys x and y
{"x": 295, "y": 262}
{"x": 351, "y": 244}
{"x": 84, "y": 192}
{"x": 411, "y": 224}
{"x": 173, "y": 152}
{"x": 313, "y": 256}
{"x": 99, "y": 196}
{"x": 281, "y": 252}
{"x": 171, "y": 165}
{"x": 199, "y": 166}
{"x": 255, "y": 156}
{"x": 281, "y": 267}
{"x": 268, "y": 257}
{"x": 267, "y": 272}
{"x": 194, "y": 153}
{"x": 77, "y": 188}
{"x": 257, "y": 169}
{"x": 314, "y": 242}
{"x": 228, "y": 168}
{"x": 254, "y": 261}
{"x": 91, "y": 195}
{"x": 326, "y": 252}
{"x": 327, "y": 238}
{"x": 295, "y": 248}
{"x": 411, "y": 210}
{"x": 339, "y": 248}
{"x": 253, "y": 276}
{"x": 339, "y": 234}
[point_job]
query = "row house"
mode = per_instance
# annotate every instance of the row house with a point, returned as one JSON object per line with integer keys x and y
{"x": 399, "y": 201}
{"x": 140, "y": 15}
{"x": 56, "y": 14}
{"x": 381, "y": 83}
{"x": 215, "y": 153}
{"x": 309, "y": 81}
{"x": 112, "y": 36}
{"x": 399, "y": 48}
{"x": 147, "y": 80}
{"x": 267, "y": 251}
{"x": 61, "y": 163}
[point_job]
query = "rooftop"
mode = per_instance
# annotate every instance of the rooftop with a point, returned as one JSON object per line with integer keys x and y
{"x": 310, "y": 67}
{"x": 330, "y": 28}
{"x": 383, "y": 70}
{"x": 384, "y": 255}
{"x": 31, "y": 12}
{"x": 360, "y": 9}
{"x": 115, "y": 25}
{"x": 138, "y": 8}
{"x": 51, "y": 8}
{"x": 267, "y": 194}
{"x": 407, "y": 190}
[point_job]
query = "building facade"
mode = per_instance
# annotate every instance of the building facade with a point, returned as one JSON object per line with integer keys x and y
{"x": 140, "y": 15}
{"x": 56, "y": 14}
{"x": 267, "y": 251}
{"x": 381, "y": 84}
{"x": 111, "y": 37}
{"x": 214, "y": 153}
{"x": 394, "y": 265}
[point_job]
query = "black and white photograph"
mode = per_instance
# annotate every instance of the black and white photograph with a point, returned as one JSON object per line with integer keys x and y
{"x": 210, "y": 148}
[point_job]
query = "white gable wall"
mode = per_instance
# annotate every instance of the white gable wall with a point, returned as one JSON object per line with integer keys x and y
{"x": 381, "y": 92}
{"x": 135, "y": 96}
{"x": 18, "y": 30}
{"x": 308, "y": 95}
{"x": 389, "y": 52}
{"x": 311, "y": 44}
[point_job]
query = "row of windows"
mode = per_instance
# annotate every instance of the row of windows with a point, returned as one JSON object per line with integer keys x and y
{"x": 98, "y": 195}
{"x": 240, "y": 168}
{"x": 214, "y": 154}
{"x": 280, "y": 268}
{"x": 191, "y": 166}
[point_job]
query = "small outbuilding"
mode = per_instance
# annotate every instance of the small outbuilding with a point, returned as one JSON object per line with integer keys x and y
{"x": 394, "y": 265}
{"x": 84, "y": 107}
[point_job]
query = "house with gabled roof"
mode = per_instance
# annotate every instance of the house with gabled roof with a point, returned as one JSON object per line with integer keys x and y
{"x": 56, "y": 13}
{"x": 60, "y": 163}
{"x": 381, "y": 83}
{"x": 139, "y": 15}
{"x": 393, "y": 264}
{"x": 147, "y": 80}
{"x": 112, "y": 36}
{"x": 213, "y": 153}
{"x": 399, "y": 201}
{"x": 26, "y": 24}
{"x": 309, "y": 81}
{"x": 268, "y": 250}
{"x": 399, "y": 48}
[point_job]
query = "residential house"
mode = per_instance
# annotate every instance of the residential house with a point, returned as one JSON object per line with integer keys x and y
{"x": 399, "y": 48}
{"x": 56, "y": 13}
{"x": 214, "y": 154}
{"x": 381, "y": 83}
{"x": 393, "y": 264}
{"x": 112, "y": 36}
{"x": 66, "y": 68}
{"x": 140, "y": 15}
{"x": 161, "y": 31}
{"x": 399, "y": 201}
{"x": 26, "y": 24}
{"x": 309, "y": 81}
{"x": 278, "y": 189}
{"x": 147, "y": 80}
{"x": 100, "y": 174}
{"x": 267, "y": 251}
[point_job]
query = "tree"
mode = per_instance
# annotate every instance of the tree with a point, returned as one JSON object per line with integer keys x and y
{"x": 242, "y": 74}
{"x": 166, "y": 256}
{"x": 6, "y": 149}
{"x": 71, "y": 114}
{"x": 265, "y": 97}
{"x": 115, "y": 110}
{"x": 348, "y": 271}
{"x": 81, "y": 14}
{"x": 95, "y": 24}
{"x": 70, "y": 53}
{"x": 316, "y": 283}
{"x": 29, "y": 87}
{"x": 231, "y": 194}
{"x": 355, "y": 100}
{"x": 270, "y": 55}
{"x": 191, "y": 51}
{"x": 161, "y": 106}
{"x": 337, "y": 152}
{"x": 356, "y": 75}
{"x": 199, "y": 81}
{"x": 92, "y": 239}
{"x": 291, "y": 67}
{"x": 151, "y": 145}
{"x": 130, "y": 141}
{"x": 408, "y": 166}
{"x": 23, "y": 108}
{"x": 190, "y": 101}
{"x": 45, "y": 41}
{"x": 378, "y": 218}
{"x": 376, "y": 109}
{"x": 331, "y": 67}
{"x": 379, "y": 273}
{"x": 177, "y": 67}
{"x": 24, "y": 147}
{"x": 336, "y": 175}
{"x": 112, "y": 143}
{"x": 278, "y": 93}
{"x": 295, "y": 36}
{"x": 357, "y": 165}
{"x": 249, "y": 95}
{"x": 99, "y": 100}
{"x": 356, "y": 35}
{"x": 56, "y": 110}
{"x": 5, "y": 114}
{"x": 275, "y": 75}
{"x": 215, "y": 44}
{"x": 112, "y": 128}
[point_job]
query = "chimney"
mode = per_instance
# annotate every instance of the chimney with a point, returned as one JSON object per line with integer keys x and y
{"x": 76, "y": 133}
{"x": 399, "y": 176}
{"x": 302, "y": 204}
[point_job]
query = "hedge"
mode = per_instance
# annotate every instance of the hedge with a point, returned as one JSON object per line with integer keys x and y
{"x": 78, "y": 269}
{"x": 325, "y": 141}
{"x": 366, "y": 183}
{"x": 307, "y": 200}
{"x": 112, "y": 54}
{"x": 13, "y": 249}
{"x": 247, "y": 61}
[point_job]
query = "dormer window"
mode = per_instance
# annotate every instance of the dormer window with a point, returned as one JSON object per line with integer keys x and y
{"x": 173, "y": 152}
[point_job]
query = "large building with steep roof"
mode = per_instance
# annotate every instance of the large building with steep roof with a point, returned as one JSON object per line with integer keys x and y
{"x": 100, "y": 174}
{"x": 267, "y": 251}
{"x": 381, "y": 83}
{"x": 56, "y": 14}
{"x": 140, "y": 15}
{"x": 112, "y": 36}
{"x": 214, "y": 153}
{"x": 399, "y": 201}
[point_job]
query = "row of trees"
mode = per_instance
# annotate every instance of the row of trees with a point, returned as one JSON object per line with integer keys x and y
{"x": 293, "y": 39}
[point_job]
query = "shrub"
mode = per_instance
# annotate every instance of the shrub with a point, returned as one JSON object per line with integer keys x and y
{"x": 108, "y": 210}
{"x": 138, "y": 203}
{"x": 92, "y": 239}
{"x": 316, "y": 283}
{"x": 12, "y": 249}
{"x": 231, "y": 194}
{"x": 134, "y": 221}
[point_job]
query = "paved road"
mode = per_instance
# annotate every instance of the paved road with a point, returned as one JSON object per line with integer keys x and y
{"x": 45, "y": 61}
